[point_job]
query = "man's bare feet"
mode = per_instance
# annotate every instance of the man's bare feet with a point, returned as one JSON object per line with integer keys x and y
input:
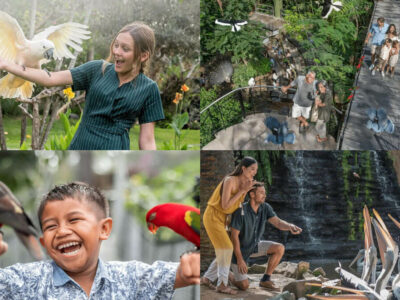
{"x": 207, "y": 282}
{"x": 321, "y": 140}
{"x": 225, "y": 290}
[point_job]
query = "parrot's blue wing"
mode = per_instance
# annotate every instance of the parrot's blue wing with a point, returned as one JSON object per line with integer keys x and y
{"x": 389, "y": 127}
{"x": 272, "y": 139}
{"x": 290, "y": 138}
{"x": 272, "y": 123}
{"x": 382, "y": 118}
{"x": 371, "y": 113}
{"x": 372, "y": 125}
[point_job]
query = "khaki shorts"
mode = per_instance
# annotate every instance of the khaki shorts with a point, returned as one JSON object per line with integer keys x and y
{"x": 381, "y": 63}
{"x": 263, "y": 247}
{"x": 298, "y": 111}
{"x": 375, "y": 49}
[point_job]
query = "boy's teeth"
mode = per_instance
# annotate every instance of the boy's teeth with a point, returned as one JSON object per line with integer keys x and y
{"x": 71, "y": 253}
{"x": 67, "y": 245}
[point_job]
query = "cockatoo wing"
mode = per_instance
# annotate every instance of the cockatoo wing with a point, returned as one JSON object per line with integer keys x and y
{"x": 67, "y": 34}
{"x": 12, "y": 38}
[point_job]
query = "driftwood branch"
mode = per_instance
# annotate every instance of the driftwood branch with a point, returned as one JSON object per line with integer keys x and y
{"x": 53, "y": 117}
{"x": 25, "y": 111}
{"x": 2, "y": 134}
{"x": 46, "y": 111}
{"x": 76, "y": 101}
{"x": 35, "y": 126}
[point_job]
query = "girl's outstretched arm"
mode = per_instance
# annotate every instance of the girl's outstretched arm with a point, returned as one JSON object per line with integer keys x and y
{"x": 38, "y": 76}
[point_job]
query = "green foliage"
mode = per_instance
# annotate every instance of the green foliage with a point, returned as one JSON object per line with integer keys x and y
{"x": 331, "y": 46}
{"x": 177, "y": 124}
{"x": 171, "y": 184}
{"x": 190, "y": 137}
{"x": 243, "y": 45}
{"x": 225, "y": 113}
{"x": 242, "y": 73}
{"x": 62, "y": 142}
{"x": 267, "y": 160}
{"x": 10, "y": 107}
{"x": 352, "y": 189}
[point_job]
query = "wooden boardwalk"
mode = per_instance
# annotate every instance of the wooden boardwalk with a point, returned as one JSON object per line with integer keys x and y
{"x": 376, "y": 92}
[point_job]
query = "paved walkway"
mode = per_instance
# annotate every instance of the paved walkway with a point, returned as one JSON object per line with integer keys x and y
{"x": 251, "y": 133}
{"x": 375, "y": 91}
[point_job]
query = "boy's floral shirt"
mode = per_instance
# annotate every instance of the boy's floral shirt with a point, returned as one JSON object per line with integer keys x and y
{"x": 113, "y": 281}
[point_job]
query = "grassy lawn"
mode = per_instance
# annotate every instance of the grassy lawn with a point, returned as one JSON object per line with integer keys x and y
{"x": 12, "y": 125}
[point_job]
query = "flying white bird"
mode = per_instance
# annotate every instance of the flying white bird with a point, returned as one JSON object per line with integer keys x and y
{"x": 236, "y": 25}
{"x": 50, "y": 43}
{"x": 252, "y": 82}
{"x": 329, "y": 6}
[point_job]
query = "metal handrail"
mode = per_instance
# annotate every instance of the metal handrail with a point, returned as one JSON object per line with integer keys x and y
{"x": 251, "y": 87}
{"x": 239, "y": 89}
{"x": 346, "y": 117}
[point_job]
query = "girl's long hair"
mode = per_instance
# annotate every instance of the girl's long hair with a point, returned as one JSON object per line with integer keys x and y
{"x": 245, "y": 162}
{"x": 143, "y": 41}
{"x": 395, "y": 30}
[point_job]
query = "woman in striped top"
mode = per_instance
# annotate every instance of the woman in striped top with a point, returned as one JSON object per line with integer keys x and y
{"x": 117, "y": 92}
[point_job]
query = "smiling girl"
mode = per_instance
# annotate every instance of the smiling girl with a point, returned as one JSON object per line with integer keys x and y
{"x": 117, "y": 92}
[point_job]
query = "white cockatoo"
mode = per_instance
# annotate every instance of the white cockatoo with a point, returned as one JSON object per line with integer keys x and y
{"x": 50, "y": 43}
{"x": 252, "y": 82}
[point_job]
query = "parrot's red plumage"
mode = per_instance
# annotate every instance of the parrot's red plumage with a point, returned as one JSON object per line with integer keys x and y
{"x": 183, "y": 219}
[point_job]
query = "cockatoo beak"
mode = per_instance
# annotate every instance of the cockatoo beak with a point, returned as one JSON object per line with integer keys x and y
{"x": 48, "y": 54}
{"x": 152, "y": 228}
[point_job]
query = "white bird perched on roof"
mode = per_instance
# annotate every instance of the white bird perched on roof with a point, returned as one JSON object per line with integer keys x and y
{"x": 50, "y": 43}
{"x": 252, "y": 82}
{"x": 329, "y": 6}
{"x": 236, "y": 24}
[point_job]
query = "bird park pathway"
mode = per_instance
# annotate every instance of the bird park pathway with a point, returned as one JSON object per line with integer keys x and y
{"x": 251, "y": 133}
{"x": 374, "y": 92}
{"x": 254, "y": 292}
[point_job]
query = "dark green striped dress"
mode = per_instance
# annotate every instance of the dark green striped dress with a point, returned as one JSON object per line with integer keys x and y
{"x": 110, "y": 111}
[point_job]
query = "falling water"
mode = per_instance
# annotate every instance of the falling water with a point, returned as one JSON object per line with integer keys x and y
{"x": 385, "y": 184}
{"x": 299, "y": 172}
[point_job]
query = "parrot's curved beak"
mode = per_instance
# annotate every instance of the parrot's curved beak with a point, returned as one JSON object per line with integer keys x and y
{"x": 48, "y": 54}
{"x": 152, "y": 228}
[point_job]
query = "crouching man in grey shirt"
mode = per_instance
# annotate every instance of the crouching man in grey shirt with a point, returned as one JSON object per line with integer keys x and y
{"x": 248, "y": 227}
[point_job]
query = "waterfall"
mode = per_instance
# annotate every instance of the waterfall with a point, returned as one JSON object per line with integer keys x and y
{"x": 299, "y": 172}
{"x": 383, "y": 176}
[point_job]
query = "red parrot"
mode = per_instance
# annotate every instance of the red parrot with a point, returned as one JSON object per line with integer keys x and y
{"x": 12, "y": 214}
{"x": 183, "y": 219}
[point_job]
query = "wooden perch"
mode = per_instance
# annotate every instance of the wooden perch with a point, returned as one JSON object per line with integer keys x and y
{"x": 25, "y": 111}
{"x": 77, "y": 100}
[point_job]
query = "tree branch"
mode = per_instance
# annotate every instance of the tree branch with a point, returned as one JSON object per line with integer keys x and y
{"x": 25, "y": 111}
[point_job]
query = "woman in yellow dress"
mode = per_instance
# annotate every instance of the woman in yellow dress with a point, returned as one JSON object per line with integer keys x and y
{"x": 226, "y": 198}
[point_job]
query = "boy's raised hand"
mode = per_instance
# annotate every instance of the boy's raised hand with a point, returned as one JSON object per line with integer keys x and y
{"x": 3, "y": 245}
{"x": 188, "y": 271}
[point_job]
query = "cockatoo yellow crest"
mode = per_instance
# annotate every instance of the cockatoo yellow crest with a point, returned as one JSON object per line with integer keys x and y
{"x": 50, "y": 43}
